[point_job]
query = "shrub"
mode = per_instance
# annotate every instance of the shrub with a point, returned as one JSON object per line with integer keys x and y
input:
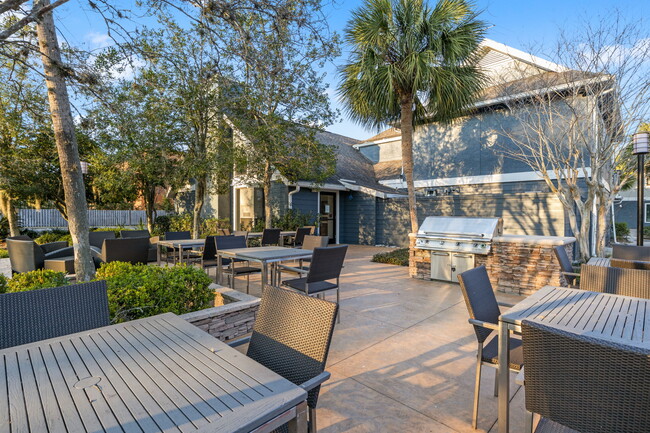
{"x": 4, "y": 254}
{"x": 41, "y": 279}
{"x": 161, "y": 225}
{"x": 115, "y": 230}
{"x": 398, "y": 257}
{"x": 646, "y": 232}
{"x": 3, "y": 284}
{"x": 211, "y": 226}
{"x": 4, "y": 227}
{"x": 52, "y": 236}
{"x": 292, "y": 219}
{"x": 622, "y": 230}
{"x": 181, "y": 222}
{"x": 136, "y": 291}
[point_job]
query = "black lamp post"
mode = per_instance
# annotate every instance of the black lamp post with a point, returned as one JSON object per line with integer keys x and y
{"x": 641, "y": 147}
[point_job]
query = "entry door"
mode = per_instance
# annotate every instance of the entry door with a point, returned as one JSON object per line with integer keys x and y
{"x": 328, "y": 215}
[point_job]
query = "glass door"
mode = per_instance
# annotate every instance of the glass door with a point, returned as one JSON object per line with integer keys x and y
{"x": 328, "y": 215}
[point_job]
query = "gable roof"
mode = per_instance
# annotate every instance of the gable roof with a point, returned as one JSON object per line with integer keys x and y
{"x": 496, "y": 53}
{"x": 383, "y": 135}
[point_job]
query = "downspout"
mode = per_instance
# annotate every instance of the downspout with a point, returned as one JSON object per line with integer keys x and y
{"x": 290, "y": 196}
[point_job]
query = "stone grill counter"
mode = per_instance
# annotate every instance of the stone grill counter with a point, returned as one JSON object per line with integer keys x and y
{"x": 516, "y": 264}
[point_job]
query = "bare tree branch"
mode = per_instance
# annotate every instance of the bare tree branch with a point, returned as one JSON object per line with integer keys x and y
{"x": 31, "y": 17}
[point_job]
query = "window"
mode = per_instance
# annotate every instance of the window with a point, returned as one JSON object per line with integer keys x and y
{"x": 647, "y": 212}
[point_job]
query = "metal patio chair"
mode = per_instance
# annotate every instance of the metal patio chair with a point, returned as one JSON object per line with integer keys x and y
{"x": 484, "y": 315}
{"x": 175, "y": 236}
{"x": 40, "y": 314}
{"x": 566, "y": 268}
{"x": 231, "y": 242}
{"x": 309, "y": 243}
{"x": 270, "y": 237}
{"x": 580, "y": 383}
{"x": 209, "y": 254}
{"x": 292, "y": 336}
{"x": 326, "y": 265}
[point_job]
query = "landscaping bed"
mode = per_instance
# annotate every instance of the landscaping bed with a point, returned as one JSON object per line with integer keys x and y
{"x": 398, "y": 257}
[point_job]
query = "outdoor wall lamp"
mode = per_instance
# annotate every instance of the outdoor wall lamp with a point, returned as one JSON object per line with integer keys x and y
{"x": 641, "y": 146}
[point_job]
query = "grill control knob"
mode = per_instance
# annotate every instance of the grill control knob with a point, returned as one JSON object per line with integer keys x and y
{"x": 457, "y": 244}
{"x": 442, "y": 242}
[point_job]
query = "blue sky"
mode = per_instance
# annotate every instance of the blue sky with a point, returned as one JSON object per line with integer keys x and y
{"x": 521, "y": 24}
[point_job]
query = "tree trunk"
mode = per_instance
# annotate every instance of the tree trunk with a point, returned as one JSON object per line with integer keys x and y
{"x": 267, "y": 195}
{"x": 149, "y": 198}
{"x": 406, "y": 126}
{"x": 199, "y": 199}
{"x": 66, "y": 144}
{"x": 601, "y": 225}
{"x": 9, "y": 210}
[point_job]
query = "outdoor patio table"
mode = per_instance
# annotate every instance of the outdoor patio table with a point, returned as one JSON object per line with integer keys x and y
{"x": 283, "y": 234}
{"x": 264, "y": 255}
{"x": 599, "y": 261}
{"x": 155, "y": 374}
{"x": 181, "y": 245}
{"x": 615, "y": 318}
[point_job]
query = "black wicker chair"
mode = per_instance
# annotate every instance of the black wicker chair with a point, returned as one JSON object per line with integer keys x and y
{"x": 37, "y": 315}
{"x": 326, "y": 265}
{"x": 615, "y": 280}
{"x": 25, "y": 255}
{"x": 228, "y": 243}
{"x": 292, "y": 336}
{"x": 301, "y": 232}
{"x": 97, "y": 238}
{"x": 566, "y": 268}
{"x": 579, "y": 383}
{"x": 131, "y": 250}
{"x": 270, "y": 237}
{"x": 153, "y": 241}
{"x": 310, "y": 242}
{"x": 630, "y": 257}
{"x": 484, "y": 315}
{"x": 209, "y": 254}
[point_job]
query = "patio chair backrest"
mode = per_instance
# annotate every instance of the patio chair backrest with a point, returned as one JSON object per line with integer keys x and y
{"x": 301, "y": 232}
{"x": 631, "y": 252}
{"x": 210, "y": 248}
{"x": 326, "y": 263}
{"x": 230, "y": 242}
{"x": 584, "y": 383}
{"x": 617, "y": 281}
{"x": 176, "y": 236}
{"x": 243, "y": 233}
{"x": 565, "y": 262}
{"x": 130, "y": 250}
{"x": 224, "y": 232}
{"x": 135, "y": 234}
{"x": 310, "y": 242}
{"x": 480, "y": 299}
{"x": 36, "y": 315}
{"x": 97, "y": 238}
{"x": 271, "y": 237}
{"x": 292, "y": 335}
{"x": 25, "y": 255}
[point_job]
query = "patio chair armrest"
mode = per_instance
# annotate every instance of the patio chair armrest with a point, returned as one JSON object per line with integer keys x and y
{"x": 505, "y": 304}
{"x": 239, "y": 341}
{"x": 483, "y": 324}
{"x": 62, "y": 252}
{"x": 292, "y": 269}
{"x": 315, "y": 381}
{"x": 53, "y": 246}
{"x": 571, "y": 274}
{"x": 153, "y": 240}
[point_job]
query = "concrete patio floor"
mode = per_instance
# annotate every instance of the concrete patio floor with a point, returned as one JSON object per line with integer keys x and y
{"x": 403, "y": 358}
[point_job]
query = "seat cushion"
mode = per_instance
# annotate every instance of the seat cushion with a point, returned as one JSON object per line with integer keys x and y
{"x": 491, "y": 352}
{"x": 240, "y": 270}
{"x": 299, "y": 284}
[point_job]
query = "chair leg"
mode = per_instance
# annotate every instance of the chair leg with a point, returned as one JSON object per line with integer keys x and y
{"x": 311, "y": 426}
{"x": 248, "y": 283}
{"x": 477, "y": 386}
{"x": 529, "y": 422}
{"x": 338, "y": 302}
{"x": 496, "y": 383}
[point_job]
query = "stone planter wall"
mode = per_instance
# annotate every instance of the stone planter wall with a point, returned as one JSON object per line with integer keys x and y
{"x": 515, "y": 264}
{"x": 228, "y": 321}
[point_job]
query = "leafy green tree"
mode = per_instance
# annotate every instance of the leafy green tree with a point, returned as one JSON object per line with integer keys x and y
{"x": 279, "y": 101}
{"x": 410, "y": 63}
{"x": 141, "y": 134}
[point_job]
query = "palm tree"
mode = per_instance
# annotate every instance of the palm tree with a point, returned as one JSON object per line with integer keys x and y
{"x": 410, "y": 63}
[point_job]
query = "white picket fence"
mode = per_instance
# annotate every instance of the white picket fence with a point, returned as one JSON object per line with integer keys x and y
{"x": 51, "y": 218}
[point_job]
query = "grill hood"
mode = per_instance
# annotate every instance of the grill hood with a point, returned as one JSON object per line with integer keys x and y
{"x": 483, "y": 229}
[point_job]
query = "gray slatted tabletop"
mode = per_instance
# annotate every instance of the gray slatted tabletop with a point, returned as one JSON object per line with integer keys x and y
{"x": 599, "y": 261}
{"x": 622, "y": 319}
{"x": 148, "y": 375}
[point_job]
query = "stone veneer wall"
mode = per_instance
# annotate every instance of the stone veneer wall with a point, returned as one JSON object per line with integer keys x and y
{"x": 515, "y": 264}
{"x": 228, "y": 321}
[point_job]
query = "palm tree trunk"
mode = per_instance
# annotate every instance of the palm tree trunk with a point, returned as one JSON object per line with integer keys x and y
{"x": 406, "y": 126}
{"x": 66, "y": 144}
{"x": 199, "y": 199}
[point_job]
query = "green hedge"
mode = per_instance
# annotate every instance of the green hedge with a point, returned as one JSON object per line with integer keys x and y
{"x": 4, "y": 254}
{"x": 398, "y": 257}
{"x": 136, "y": 291}
{"x": 183, "y": 222}
{"x": 622, "y": 230}
{"x": 41, "y": 279}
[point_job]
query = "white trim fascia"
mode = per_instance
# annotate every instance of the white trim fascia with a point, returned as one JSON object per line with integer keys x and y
{"x": 523, "y": 56}
{"x": 324, "y": 186}
{"x": 373, "y": 192}
{"x": 523, "y": 176}
{"x": 371, "y": 143}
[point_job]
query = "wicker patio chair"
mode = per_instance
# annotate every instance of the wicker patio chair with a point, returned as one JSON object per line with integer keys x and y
{"x": 153, "y": 241}
{"x": 566, "y": 268}
{"x": 301, "y": 232}
{"x": 292, "y": 336}
{"x": 25, "y": 255}
{"x": 270, "y": 237}
{"x": 617, "y": 281}
{"x": 580, "y": 383}
{"x": 36, "y": 315}
{"x": 97, "y": 238}
{"x": 484, "y": 315}
{"x": 231, "y": 242}
{"x": 130, "y": 250}
{"x": 630, "y": 257}
{"x": 326, "y": 265}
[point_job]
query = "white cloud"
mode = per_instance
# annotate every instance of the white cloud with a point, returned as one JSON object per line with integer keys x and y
{"x": 98, "y": 40}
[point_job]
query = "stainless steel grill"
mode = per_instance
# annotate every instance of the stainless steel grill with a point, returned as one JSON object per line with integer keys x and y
{"x": 454, "y": 241}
